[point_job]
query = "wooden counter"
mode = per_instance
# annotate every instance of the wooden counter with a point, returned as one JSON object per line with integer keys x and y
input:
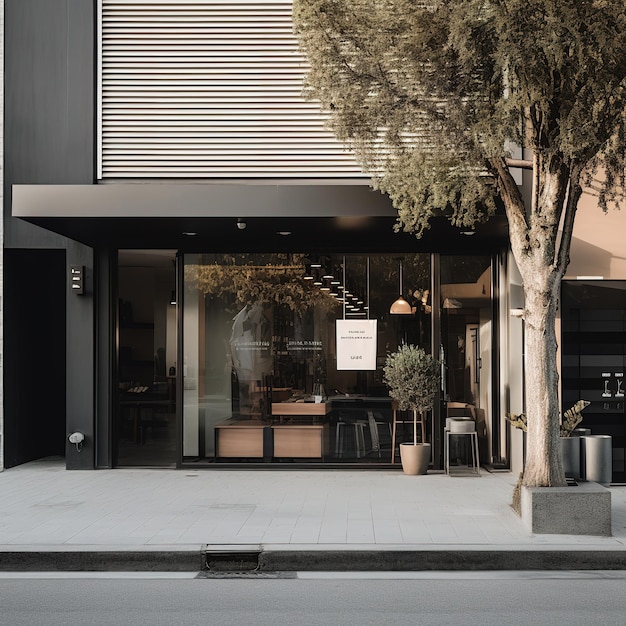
{"x": 301, "y": 408}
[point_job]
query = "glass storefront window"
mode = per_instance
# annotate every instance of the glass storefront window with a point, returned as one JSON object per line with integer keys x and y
{"x": 260, "y": 375}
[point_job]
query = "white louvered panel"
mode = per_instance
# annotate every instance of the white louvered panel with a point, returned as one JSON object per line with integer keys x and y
{"x": 209, "y": 89}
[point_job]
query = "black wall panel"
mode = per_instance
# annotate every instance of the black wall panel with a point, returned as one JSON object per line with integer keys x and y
{"x": 34, "y": 354}
{"x": 49, "y": 102}
{"x": 49, "y": 138}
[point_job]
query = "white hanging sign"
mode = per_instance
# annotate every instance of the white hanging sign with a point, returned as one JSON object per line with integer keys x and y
{"x": 356, "y": 344}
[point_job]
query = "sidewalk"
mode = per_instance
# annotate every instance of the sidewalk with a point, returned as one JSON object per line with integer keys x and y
{"x": 51, "y": 518}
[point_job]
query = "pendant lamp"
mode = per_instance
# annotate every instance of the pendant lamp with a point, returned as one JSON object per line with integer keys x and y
{"x": 401, "y": 306}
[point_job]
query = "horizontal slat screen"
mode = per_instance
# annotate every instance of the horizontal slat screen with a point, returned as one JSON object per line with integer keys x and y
{"x": 209, "y": 89}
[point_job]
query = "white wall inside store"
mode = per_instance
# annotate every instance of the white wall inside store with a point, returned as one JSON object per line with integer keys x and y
{"x": 191, "y": 324}
{"x": 513, "y": 381}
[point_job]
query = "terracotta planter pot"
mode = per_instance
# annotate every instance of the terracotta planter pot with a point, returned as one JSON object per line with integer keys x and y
{"x": 415, "y": 458}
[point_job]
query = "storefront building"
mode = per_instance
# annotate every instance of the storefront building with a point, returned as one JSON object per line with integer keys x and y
{"x": 188, "y": 251}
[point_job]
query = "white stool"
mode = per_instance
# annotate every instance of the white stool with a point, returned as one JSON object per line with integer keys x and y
{"x": 467, "y": 429}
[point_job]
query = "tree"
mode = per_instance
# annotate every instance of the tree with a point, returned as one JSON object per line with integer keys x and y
{"x": 432, "y": 95}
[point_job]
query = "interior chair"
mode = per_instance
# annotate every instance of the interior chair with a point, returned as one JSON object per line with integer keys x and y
{"x": 345, "y": 423}
{"x": 374, "y": 421}
{"x": 460, "y": 409}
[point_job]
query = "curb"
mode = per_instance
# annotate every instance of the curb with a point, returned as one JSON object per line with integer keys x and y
{"x": 102, "y": 561}
{"x": 443, "y": 560}
{"x": 271, "y": 561}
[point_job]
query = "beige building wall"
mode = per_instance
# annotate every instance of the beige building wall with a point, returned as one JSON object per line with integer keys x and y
{"x": 599, "y": 242}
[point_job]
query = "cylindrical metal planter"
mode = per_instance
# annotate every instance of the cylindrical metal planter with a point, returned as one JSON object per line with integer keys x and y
{"x": 597, "y": 458}
{"x": 570, "y": 453}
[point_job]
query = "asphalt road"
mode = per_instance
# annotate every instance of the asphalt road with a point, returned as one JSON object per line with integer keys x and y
{"x": 501, "y": 598}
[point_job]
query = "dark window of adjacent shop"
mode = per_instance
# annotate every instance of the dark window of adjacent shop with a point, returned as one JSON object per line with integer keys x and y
{"x": 593, "y": 348}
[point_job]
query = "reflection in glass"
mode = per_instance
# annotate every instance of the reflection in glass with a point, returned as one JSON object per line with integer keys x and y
{"x": 260, "y": 354}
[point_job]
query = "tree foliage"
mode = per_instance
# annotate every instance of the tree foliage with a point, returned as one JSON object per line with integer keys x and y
{"x": 412, "y": 376}
{"x": 431, "y": 94}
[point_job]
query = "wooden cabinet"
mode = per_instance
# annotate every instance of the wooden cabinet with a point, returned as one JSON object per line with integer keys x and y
{"x": 239, "y": 439}
{"x": 300, "y": 441}
{"x": 254, "y": 439}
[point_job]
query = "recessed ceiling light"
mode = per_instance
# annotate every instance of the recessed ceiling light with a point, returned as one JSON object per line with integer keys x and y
{"x": 283, "y": 233}
{"x": 189, "y": 233}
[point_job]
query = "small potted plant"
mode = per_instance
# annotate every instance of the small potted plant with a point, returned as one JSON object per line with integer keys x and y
{"x": 412, "y": 376}
{"x": 570, "y": 446}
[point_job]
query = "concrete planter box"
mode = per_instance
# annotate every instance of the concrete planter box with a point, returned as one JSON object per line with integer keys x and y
{"x": 583, "y": 509}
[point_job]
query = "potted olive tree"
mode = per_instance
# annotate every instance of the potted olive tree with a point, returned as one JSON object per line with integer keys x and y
{"x": 412, "y": 376}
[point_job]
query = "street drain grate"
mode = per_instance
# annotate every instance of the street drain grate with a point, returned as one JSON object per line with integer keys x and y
{"x": 252, "y": 574}
{"x": 232, "y": 561}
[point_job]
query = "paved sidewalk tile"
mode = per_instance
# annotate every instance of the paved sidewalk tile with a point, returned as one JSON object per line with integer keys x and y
{"x": 45, "y": 505}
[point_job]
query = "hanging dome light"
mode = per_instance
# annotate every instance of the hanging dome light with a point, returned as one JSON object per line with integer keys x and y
{"x": 401, "y": 306}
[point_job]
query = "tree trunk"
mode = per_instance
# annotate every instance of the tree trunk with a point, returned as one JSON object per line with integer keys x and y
{"x": 534, "y": 235}
{"x": 544, "y": 466}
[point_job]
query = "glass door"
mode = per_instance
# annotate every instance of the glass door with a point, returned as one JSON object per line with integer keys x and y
{"x": 466, "y": 342}
{"x": 145, "y": 420}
